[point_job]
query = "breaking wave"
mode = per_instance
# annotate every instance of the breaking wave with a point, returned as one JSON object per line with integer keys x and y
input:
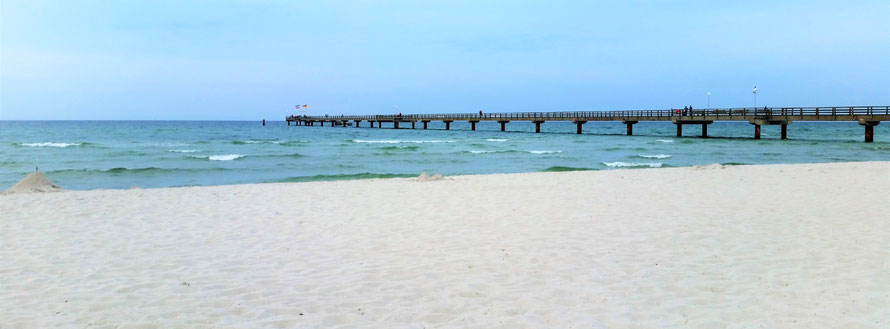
{"x": 394, "y": 141}
{"x": 619, "y": 164}
{"x": 49, "y": 144}
{"x": 122, "y": 170}
{"x": 226, "y": 157}
{"x": 653, "y": 156}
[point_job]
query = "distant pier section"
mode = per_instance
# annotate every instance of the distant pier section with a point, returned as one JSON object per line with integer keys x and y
{"x": 867, "y": 116}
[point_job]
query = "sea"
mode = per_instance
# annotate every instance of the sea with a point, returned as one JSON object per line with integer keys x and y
{"x": 83, "y": 155}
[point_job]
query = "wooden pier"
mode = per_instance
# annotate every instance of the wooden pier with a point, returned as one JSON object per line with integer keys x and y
{"x": 867, "y": 116}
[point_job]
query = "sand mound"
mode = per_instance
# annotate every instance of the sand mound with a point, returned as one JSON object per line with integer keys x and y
{"x": 36, "y": 182}
{"x": 424, "y": 177}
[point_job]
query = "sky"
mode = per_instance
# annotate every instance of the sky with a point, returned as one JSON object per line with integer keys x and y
{"x": 251, "y": 60}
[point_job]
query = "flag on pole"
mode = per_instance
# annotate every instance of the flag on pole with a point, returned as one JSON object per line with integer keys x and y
{"x": 305, "y": 106}
{"x": 298, "y": 106}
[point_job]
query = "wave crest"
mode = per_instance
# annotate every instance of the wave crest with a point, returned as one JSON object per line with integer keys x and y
{"x": 395, "y": 141}
{"x": 619, "y": 164}
{"x": 49, "y": 144}
{"x": 564, "y": 168}
{"x": 365, "y": 175}
{"x": 225, "y": 157}
{"x": 653, "y": 156}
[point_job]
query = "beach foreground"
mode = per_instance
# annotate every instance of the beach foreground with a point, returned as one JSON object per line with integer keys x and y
{"x": 774, "y": 246}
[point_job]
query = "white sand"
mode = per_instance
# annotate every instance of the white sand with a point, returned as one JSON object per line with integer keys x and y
{"x": 784, "y": 246}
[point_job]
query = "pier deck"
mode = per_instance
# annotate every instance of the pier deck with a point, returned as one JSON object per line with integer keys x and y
{"x": 867, "y": 116}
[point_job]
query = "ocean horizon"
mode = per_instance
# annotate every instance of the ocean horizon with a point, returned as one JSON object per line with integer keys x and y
{"x": 91, "y": 154}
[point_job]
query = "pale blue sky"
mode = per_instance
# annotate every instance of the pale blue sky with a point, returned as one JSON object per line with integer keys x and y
{"x": 251, "y": 60}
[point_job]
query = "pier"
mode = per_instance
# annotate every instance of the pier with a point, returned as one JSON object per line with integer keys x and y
{"x": 866, "y": 116}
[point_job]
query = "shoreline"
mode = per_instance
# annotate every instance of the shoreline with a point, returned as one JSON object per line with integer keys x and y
{"x": 406, "y": 176}
{"x": 800, "y": 245}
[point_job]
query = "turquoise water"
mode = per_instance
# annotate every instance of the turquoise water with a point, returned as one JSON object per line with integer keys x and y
{"x": 120, "y": 154}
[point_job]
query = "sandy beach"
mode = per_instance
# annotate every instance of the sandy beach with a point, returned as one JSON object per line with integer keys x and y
{"x": 771, "y": 246}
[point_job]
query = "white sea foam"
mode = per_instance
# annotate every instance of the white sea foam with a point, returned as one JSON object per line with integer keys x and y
{"x": 227, "y": 157}
{"x": 481, "y": 152}
{"x": 398, "y": 141}
{"x": 665, "y": 140}
{"x": 654, "y": 156}
{"x": 497, "y": 139}
{"x": 619, "y": 164}
{"x": 543, "y": 152}
{"x": 183, "y": 151}
{"x": 375, "y": 142}
{"x": 49, "y": 144}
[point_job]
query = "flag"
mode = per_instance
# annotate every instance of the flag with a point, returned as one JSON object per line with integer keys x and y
{"x": 305, "y": 106}
{"x": 298, "y": 106}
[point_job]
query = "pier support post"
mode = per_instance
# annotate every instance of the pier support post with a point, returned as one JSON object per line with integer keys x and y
{"x": 578, "y": 126}
{"x": 321, "y": 123}
{"x": 784, "y": 131}
{"x": 412, "y": 124}
{"x": 630, "y": 126}
{"x": 424, "y": 124}
{"x": 473, "y": 124}
{"x": 538, "y": 126}
{"x": 503, "y": 125}
{"x": 679, "y": 129}
{"x": 395, "y": 125}
{"x": 869, "y": 129}
{"x": 704, "y": 130}
{"x": 756, "y": 131}
{"x": 447, "y": 124}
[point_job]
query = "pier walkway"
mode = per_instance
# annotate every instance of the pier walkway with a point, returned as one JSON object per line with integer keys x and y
{"x": 867, "y": 116}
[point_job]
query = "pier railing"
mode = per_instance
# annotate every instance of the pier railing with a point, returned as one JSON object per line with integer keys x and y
{"x": 640, "y": 115}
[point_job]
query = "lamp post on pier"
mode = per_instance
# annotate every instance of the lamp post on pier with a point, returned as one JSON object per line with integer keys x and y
{"x": 709, "y": 100}
{"x": 755, "y": 97}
